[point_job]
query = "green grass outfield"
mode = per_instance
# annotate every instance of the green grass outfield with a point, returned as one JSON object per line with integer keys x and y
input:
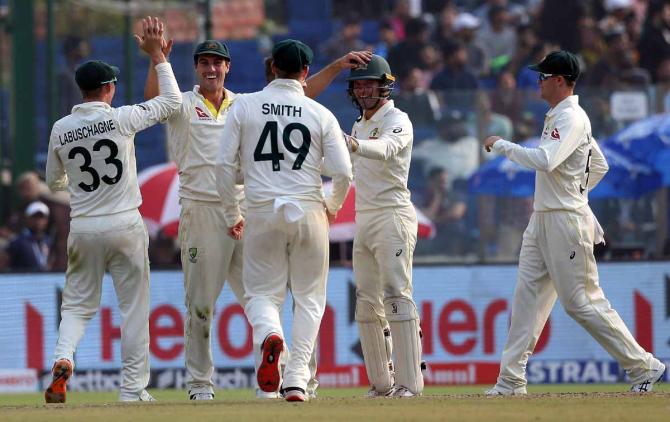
{"x": 544, "y": 403}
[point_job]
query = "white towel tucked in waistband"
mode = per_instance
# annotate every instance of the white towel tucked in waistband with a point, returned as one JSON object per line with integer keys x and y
{"x": 292, "y": 209}
{"x": 599, "y": 236}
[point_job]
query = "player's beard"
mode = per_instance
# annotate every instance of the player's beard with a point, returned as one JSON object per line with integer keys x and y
{"x": 211, "y": 85}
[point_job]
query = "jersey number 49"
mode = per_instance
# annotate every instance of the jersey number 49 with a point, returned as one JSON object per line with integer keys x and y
{"x": 271, "y": 130}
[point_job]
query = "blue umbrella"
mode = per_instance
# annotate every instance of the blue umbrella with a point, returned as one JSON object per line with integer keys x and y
{"x": 626, "y": 178}
{"x": 647, "y": 141}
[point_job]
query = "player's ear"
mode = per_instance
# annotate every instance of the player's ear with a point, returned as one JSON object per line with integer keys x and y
{"x": 303, "y": 76}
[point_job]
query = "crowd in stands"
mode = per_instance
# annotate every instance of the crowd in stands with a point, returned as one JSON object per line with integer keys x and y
{"x": 462, "y": 75}
{"x": 461, "y": 69}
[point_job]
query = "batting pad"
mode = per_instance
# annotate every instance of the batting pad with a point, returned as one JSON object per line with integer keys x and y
{"x": 406, "y": 335}
{"x": 376, "y": 354}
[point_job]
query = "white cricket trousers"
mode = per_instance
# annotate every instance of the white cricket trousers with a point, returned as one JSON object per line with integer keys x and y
{"x": 382, "y": 257}
{"x": 209, "y": 257}
{"x": 117, "y": 244}
{"x": 383, "y": 250}
{"x": 557, "y": 261}
{"x": 276, "y": 251}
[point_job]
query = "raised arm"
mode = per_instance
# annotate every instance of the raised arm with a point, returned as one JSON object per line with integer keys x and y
{"x": 320, "y": 81}
{"x": 138, "y": 117}
{"x": 151, "y": 84}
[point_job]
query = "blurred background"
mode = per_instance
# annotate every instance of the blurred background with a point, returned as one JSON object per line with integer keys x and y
{"x": 461, "y": 76}
{"x": 461, "y": 72}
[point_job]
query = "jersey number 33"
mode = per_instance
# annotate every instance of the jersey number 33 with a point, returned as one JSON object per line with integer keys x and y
{"x": 86, "y": 166}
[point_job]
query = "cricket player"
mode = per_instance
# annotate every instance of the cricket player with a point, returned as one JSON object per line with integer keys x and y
{"x": 91, "y": 153}
{"x": 386, "y": 229}
{"x": 282, "y": 139}
{"x": 209, "y": 255}
{"x": 556, "y": 257}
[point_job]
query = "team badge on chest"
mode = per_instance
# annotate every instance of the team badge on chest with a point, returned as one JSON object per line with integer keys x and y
{"x": 201, "y": 114}
{"x": 374, "y": 134}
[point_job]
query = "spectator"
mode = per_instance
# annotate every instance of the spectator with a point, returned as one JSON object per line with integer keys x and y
{"x": 514, "y": 217}
{"x": 75, "y": 50}
{"x": 444, "y": 27}
{"x": 407, "y": 53}
{"x": 456, "y": 75}
{"x": 617, "y": 13}
{"x": 5, "y": 235}
{"x": 454, "y": 149}
{"x": 446, "y": 209}
{"x": 482, "y": 12}
{"x": 30, "y": 189}
{"x": 590, "y": 41}
{"x": 506, "y": 99}
{"x": 488, "y": 122}
{"x": 431, "y": 63}
{"x": 400, "y": 16}
{"x": 387, "y": 39}
{"x": 29, "y": 251}
{"x": 465, "y": 27}
{"x": 663, "y": 86}
{"x": 498, "y": 40}
{"x": 526, "y": 40}
{"x": 555, "y": 17}
{"x": 346, "y": 40}
{"x": 654, "y": 45}
{"x": 419, "y": 103}
{"x": 616, "y": 69}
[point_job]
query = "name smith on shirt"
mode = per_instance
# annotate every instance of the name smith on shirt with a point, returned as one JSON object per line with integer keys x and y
{"x": 282, "y": 110}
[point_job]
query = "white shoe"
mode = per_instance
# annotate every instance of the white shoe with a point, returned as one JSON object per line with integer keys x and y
{"x": 263, "y": 395}
{"x": 400, "y": 391}
{"x": 499, "y": 390}
{"x": 373, "y": 393}
{"x": 647, "y": 386}
{"x": 311, "y": 394}
{"x": 143, "y": 396}
{"x": 201, "y": 396}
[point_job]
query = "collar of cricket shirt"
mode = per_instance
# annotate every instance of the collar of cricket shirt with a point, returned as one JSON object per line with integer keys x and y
{"x": 225, "y": 104}
{"x": 289, "y": 84}
{"x": 90, "y": 105}
{"x": 379, "y": 114}
{"x": 570, "y": 101}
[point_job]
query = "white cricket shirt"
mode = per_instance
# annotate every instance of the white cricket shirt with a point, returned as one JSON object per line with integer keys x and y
{"x": 92, "y": 151}
{"x": 194, "y": 137}
{"x": 568, "y": 160}
{"x": 381, "y": 162}
{"x": 282, "y": 139}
